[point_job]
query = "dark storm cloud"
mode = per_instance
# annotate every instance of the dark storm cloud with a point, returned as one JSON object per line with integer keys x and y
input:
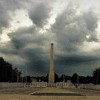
{"x": 71, "y": 29}
{"x": 28, "y": 36}
{"x": 76, "y": 59}
{"x": 32, "y": 48}
{"x": 22, "y": 37}
{"x": 36, "y": 60}
{"x": 4, "y": 16}
{"x": 7, "y": 6}
{"x": 93, "y": 38}
{"x": 91, "y": 20}
{"x": 40, "y": 14}
{"x": 8, "y": 50}
{"x": 30, "y": 45}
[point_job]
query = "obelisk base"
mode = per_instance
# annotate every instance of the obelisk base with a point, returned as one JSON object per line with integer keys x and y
{"x": 51, "y": 85}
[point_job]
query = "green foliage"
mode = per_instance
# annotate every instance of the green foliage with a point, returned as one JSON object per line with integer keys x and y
{"x": 96, "y": 76}
{"x": 7, "y": 73}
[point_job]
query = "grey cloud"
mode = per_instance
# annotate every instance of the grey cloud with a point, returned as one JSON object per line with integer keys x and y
{"x": 28, "y": 36}
{"x": 71, "y": 29}
{"x": 36, "y": 60}
{"x": 91, "y": 20}
{"x": 7, "y": 50}
{"x": 76, "y": 59}
{"x": 30, "y": 45}
{"x": 40, "y": 14}
{"x": 81, "y": 64}
{"x": 93, "y": 37}
{"x": 7, "y": 6}
{"x": 4, "y": 17}
{"x": 22, "y": 37}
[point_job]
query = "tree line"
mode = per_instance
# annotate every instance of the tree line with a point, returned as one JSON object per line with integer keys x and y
{"x": 75, "y": 78}
{"x": 10, "y": 74}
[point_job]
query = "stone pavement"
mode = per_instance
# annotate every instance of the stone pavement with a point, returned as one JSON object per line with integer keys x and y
{"x": 52, "y": 91}
{"x": 48, "y": 93}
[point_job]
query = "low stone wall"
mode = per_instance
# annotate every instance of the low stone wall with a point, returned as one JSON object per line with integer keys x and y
{"x": 64, "y": 85}
{"x": 51, "y": 84}
{"x": 97, "y": 87}
{"x": 39, "y": 84}
{"x": 59, "y": 84}
{"x": 11, "y": 85}
{"x": 89, "y": 86}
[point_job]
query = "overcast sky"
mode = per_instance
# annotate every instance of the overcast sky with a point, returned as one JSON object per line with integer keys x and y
{"x": 27, "y": 27}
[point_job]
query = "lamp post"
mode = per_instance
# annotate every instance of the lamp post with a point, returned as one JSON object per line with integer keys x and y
{"x": 77, "y": 80}
{"x": 26, "y": 74}
{"x": 97, "y": 79}
{"x": 17, "y": 78}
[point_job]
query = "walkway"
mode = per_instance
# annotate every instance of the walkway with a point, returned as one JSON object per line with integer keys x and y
{"x": 52, "y": 91}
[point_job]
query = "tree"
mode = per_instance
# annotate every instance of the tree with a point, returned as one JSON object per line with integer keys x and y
{"x": 27, "y": 79}
{"x": 62, "y": 78}
{"x": 56, "y": 78}
{"x": 85, "y": 79}
{"x": 5, "y": 70}
{"x": 7, "y": 73}
{"x": 96, "y": 76}
{"x": 75, "y": 78}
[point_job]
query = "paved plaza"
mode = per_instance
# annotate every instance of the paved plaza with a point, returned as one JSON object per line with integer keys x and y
{"x": 48, "y": 93}
{"x": 52, "y": 91}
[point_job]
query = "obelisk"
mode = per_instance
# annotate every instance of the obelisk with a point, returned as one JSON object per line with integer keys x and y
{"x": 51, "y": 71}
